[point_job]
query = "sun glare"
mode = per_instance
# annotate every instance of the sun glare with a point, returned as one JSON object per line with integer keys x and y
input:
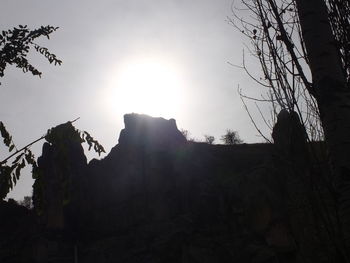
{"x": 146, "y": 86}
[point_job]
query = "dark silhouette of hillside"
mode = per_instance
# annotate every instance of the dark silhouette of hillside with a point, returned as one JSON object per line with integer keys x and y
{"x": 158, "y": 198}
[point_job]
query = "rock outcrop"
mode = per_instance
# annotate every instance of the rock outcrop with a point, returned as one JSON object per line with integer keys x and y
{"x": 150, "y": 133}
{"x": 158, "y": 198}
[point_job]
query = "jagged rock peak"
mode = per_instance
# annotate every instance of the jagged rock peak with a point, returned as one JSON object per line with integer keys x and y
{"x": 144, "y": 130}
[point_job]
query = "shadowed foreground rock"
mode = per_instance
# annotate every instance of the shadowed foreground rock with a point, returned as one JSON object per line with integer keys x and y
{"x": 158, "y": 198}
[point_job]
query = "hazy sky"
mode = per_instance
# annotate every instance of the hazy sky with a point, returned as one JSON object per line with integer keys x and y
{"x": 112, "y": 52}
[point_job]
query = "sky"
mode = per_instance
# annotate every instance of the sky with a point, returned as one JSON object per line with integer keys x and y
{"x": 166, "y": 58}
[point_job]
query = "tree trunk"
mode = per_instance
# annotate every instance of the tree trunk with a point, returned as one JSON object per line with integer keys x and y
{"x": 333, "y": 98}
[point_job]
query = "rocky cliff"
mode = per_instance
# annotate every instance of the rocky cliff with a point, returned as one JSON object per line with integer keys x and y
{"x": 159, "y": 198}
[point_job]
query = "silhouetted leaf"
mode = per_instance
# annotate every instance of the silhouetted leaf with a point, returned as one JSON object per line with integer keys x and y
{"x": 5, "y": 135}
{"x": 11, "y": 148}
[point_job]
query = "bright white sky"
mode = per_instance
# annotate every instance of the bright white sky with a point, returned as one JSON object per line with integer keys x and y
{"x": 165, "y": 58}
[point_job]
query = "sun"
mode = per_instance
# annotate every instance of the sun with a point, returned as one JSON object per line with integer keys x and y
{"x": 149, "y": 86}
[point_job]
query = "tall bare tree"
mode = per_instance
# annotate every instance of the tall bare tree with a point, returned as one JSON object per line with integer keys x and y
{"x": 333, "y": 97}
{"x": 303, "y": 49}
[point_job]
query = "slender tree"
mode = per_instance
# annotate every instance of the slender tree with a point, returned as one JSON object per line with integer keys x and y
{"x": 209, "y": 139}
{"x": 333, "y": 97}
{"x": 303, "y": 49}
{"x": 231, "y": 137}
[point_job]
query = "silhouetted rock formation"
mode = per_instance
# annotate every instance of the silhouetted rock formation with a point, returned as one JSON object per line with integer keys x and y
{"x": 158, "y": 198}
{"x": 62, "y": 167}
{"x": 150, "y": 133}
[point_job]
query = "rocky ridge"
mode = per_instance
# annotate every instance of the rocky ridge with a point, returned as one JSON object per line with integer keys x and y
{"x": 159, "y": 198}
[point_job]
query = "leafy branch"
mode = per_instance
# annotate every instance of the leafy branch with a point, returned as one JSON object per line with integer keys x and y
{"x": 10, "y": 173}
{"x": 15, "y": 45}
